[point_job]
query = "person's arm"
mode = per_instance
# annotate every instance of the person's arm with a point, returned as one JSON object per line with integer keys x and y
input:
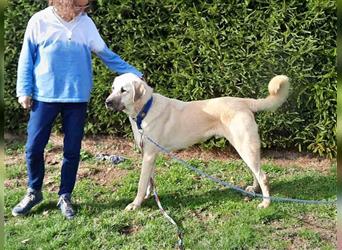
{"x": 25, "y": 76}
{"x": 113, "y": 61}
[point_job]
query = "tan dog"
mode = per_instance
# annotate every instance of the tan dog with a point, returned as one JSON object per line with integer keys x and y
{"x": 175, "y": 124}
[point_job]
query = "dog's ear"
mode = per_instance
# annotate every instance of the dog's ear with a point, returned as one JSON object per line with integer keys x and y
{"x": 139, "y": 90}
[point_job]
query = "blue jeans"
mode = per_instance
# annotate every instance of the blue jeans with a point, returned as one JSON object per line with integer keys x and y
{"x": 42, "y": 117}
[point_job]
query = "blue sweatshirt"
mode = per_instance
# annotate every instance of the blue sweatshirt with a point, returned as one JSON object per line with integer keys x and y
{"x": 55, "y": 60}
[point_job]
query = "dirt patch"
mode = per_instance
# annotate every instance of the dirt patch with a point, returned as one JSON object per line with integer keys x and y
{"x": 14, "y": 183}
{"x": 203, "y": 215}
{"x": 14, "y": 159}
{"x": 129, "y": 229}
{"x": 280, "y": 158}
{"x": 323, "y": 227}
{"x": 53, "y": 158}
{"x": 102, "y": 175}
{"x": 302, "y": 160}
{"x": 124, "y": 146}
{"x": 110, "y": 145}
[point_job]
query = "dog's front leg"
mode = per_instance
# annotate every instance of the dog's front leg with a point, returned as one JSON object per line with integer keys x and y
{"x": 146, "y": 174}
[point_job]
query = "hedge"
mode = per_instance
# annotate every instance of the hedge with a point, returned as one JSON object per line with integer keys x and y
{"x": 203, "y": 49}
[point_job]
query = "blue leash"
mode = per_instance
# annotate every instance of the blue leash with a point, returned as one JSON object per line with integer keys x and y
{"x": 229, "y": 185}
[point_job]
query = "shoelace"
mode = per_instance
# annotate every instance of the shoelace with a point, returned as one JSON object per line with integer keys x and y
{"x": 66, "y": 204}
{"x": 27, "y": 199}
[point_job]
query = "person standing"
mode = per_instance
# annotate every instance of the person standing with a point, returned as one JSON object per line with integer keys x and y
{"x": 55, "y": 77}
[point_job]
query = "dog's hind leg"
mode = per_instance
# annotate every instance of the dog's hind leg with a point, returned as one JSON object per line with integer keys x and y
{"x": 147, "y": 170}
{"x": 242, "y": 132}
{"x": 255, "y": 188}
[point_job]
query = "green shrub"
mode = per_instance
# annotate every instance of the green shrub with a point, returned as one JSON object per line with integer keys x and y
{"x": 202, "y": 49}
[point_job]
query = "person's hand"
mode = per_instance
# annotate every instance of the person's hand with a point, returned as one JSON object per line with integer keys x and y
{"x": 25, "y": 101}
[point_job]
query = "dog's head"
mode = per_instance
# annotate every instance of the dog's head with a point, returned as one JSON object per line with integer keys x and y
{"x": 128, "y": 93}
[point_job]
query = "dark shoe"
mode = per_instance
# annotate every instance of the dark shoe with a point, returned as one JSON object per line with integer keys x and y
{"x": 64, "y": 203}
{"x": 32, "y": 198}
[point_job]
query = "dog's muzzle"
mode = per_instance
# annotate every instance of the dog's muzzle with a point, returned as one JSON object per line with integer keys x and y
{"x": 114, "y": 104}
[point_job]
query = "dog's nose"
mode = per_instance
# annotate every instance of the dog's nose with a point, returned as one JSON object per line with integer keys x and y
{"x": 109, "y": 104}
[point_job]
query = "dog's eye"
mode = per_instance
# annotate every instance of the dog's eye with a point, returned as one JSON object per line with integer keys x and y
{"x": 123, "y": 90}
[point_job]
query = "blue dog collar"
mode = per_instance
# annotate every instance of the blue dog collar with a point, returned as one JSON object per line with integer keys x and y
{"x": 141, "y": 115}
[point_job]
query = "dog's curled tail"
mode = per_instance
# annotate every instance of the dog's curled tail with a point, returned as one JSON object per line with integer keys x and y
{"x": 278, "y": 89}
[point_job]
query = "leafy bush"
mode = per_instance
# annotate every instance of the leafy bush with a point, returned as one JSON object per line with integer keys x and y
{"x": 203, "y": 49}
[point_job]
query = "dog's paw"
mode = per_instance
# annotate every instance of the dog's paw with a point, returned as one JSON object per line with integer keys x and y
{"x": 264, "y": 204}
{"x": 252, "y": 189}
{"x": 132, "y": 206}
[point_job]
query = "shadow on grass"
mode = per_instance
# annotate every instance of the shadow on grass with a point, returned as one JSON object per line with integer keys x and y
{"x": 169, "y": 200}
{"x": 306, "y": 187}
{"x": 49, "y": 205}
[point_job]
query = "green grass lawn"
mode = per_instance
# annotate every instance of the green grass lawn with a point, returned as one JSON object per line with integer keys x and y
{"x": 211, "y": 216}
